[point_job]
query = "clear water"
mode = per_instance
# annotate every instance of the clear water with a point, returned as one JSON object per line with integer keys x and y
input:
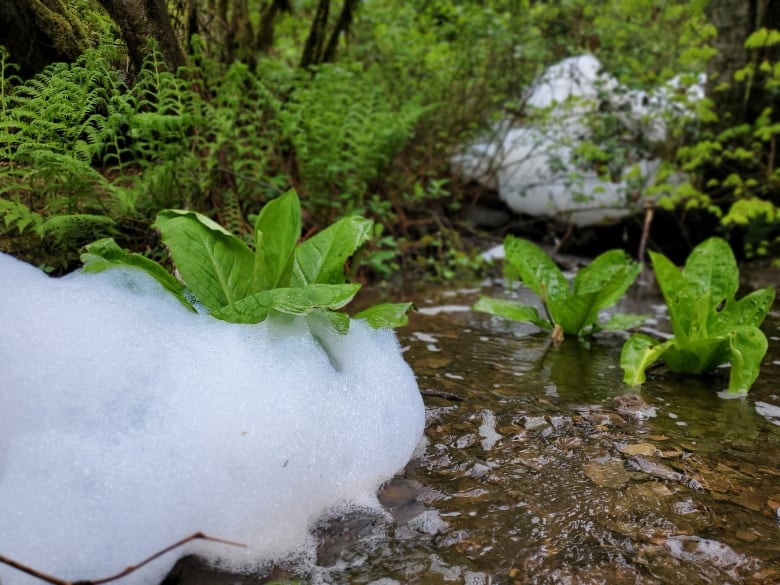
{"x": 541, "y": 466}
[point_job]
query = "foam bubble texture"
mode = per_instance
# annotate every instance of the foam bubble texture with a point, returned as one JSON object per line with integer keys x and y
{"x": 127, "y": 423}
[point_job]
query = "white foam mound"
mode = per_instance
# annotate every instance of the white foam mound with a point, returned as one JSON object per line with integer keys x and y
{"x": 127, "y": 423}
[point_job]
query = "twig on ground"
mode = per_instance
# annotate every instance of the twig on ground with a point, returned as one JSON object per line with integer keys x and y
{"x": 56, "y": 581}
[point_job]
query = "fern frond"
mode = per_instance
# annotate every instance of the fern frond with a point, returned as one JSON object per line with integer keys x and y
{"x": 16, "y": 215}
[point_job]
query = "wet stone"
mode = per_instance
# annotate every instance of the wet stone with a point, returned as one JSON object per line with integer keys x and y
{"x": 633, "y": 407}
{"x": 535, "y": 423}
{"x": 609, "y": 473}
{"x": 604, "y": 419}
{"x": 639, "y": 449}
{"x": 749, "y": 499}
{"x": 429, "y": 522}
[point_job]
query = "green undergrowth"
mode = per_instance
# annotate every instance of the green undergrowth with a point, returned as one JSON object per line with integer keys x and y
{"x": 371, "y": 133}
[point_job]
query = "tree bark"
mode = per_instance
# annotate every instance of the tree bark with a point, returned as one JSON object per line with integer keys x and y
{"x": 342, "y": 26}
{"x": 140, "y": 20}
{"x": 37, "y": 33}
{"x": 319, "y": 48}
{"x": 312, "y": 50}
{"x": 268, "y": 14}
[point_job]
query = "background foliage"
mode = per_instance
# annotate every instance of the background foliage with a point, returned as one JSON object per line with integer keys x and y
{"x": 96, "y": 147}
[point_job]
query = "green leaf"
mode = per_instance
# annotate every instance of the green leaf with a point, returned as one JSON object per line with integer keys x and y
{"x": 216, "y": 266}
{"x": 536, "y": 269}
{"x": 321, "y": 258}
{"x": 339, "y": 321}
{"x": 386, "y": 315}
{"x": 678, "y": 296}
{"x": 711, "y": 267}
{"x": 747, "y": 347}
{"x": 609, "y": 275}
{"x": 623, "y": 321}
{"x": 511, "y": 310}
{"x": 698, "y": 356}
{"x": 576, "y": 314}
{"x": 277, "y": 230}
{"x": 711, "y": 327}
{"x": 596, "y": 287}
{"x": 106, "y": 253}
{"x": 292, "y": 301}
{"x": 639, "y": 352}
{"x": 753, "y": 307}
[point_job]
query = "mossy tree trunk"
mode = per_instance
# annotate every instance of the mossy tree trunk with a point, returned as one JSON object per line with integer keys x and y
{"x": 140, "y": 20}
{"x": 269, "y": 12}
{"x": 37, "y": 33}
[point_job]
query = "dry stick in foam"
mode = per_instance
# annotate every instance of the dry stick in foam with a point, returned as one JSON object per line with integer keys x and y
{"x": 56, "y": 581}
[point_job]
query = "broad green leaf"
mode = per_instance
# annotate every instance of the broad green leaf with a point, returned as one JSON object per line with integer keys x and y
{"x": 754, "y": 307}
{"x": 711, "y": 267}
{"x": 292, "y": 301}
{"x": 575, "y": 314}
{"x": 639, "y": 352}
{"x": 536, "y": 269}
{"x": 710, "y": 326}
{"x": 216, "y": 266}
{"x": 681, "y": 300}
{"x": 339, "y": 321}
{"x": 623, "y": 321}
{"x": 277, "y": 230}
{"x": 511, "y": 310}
{"x": 106, "y": 253}
{"x": 321, "y": 258}
{"x": 596, "y": 287}
{"x": 750, "y": 310}
{"x": 669, "y": 277}
{"x": 609, "y": 276}
{"x": 747, "y": 347}
{"x": 697, "y": 357}
{"x": 386, "y": 315}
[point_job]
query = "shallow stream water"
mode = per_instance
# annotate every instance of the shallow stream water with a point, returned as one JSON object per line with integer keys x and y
{"x": 539, "y": 465}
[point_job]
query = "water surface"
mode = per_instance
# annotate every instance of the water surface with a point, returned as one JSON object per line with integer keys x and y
{"x": 540, "y": 466}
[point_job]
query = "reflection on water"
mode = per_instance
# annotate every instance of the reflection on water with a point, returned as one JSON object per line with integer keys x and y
{"x": 541, "y": 466}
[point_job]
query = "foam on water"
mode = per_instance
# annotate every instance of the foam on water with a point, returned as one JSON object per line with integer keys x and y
{"x": 127, "y": 423}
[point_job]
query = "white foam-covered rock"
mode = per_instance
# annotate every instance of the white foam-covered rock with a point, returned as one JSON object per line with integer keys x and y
{"x": 534, "y": 167}
{"x": 576, "y": 78}
{"x": 538, "y": 178}
{"x": 127, "y": 423}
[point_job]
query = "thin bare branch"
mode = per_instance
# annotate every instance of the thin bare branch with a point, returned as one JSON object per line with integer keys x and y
{"x": 56, "y": 581}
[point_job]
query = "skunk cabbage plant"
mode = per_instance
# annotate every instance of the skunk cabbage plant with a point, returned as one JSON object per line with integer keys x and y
{"x": 237, "y": 284}
{"x": 710, "y": 326}
{"x": 569, "y": 309}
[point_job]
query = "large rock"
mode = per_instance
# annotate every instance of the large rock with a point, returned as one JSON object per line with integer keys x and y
{"x": 574, "y": 109}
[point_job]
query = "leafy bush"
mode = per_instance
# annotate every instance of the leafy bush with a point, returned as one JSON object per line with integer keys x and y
{"x": 569, "y": 309}
{"x": 732, "y": 162}
{"x": 710, "y": 326}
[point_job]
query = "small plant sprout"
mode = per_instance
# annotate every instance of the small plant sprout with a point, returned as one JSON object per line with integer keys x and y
{"x": 710, "y": 326}
{"x": 569, "y": 309}
{"x": 280, "y": 276}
